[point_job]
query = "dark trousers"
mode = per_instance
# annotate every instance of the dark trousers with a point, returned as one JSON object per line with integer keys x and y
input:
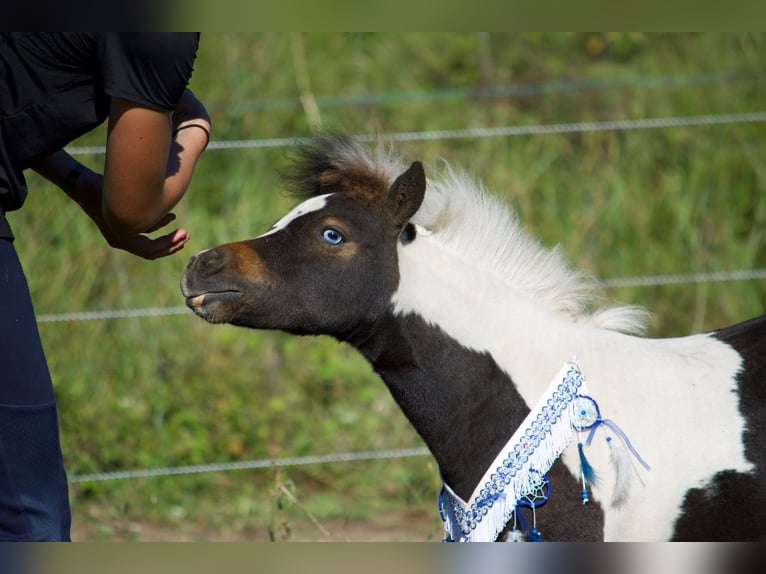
{"x": 34, "y": 501}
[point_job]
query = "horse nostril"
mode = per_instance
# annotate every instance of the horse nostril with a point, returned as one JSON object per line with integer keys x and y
{"x": 210, "y": 262}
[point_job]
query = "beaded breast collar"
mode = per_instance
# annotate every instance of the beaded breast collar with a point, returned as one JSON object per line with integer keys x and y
{"x": 517, "y": 475}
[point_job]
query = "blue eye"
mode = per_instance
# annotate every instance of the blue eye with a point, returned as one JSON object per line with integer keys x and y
{"x": 332, "y": 236}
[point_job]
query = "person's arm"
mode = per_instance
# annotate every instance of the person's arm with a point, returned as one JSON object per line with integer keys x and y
{"x": 122, "y": 212}
{"x": 149, "y": 161}
{"x": 85, "y": 187}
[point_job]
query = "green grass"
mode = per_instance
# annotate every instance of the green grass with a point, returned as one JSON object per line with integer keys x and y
{"x": 166, "y": 391}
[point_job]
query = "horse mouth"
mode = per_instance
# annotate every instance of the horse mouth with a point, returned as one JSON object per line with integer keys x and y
{"x": 210, "y": 304}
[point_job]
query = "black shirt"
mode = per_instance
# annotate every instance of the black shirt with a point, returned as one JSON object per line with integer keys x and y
{"x": 57, "y": 86}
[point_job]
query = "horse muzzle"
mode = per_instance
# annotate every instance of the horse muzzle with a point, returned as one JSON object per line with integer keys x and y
{"x": 206, "y": 287}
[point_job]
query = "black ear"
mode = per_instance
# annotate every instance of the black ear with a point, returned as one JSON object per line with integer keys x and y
{"x": 406, "y": 195}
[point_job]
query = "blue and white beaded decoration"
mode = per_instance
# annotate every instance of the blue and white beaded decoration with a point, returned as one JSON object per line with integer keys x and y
{"x": 587, "y": 417}
{"x": 518, "y": 471}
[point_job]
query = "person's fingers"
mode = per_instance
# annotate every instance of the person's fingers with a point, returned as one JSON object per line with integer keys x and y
{"x": 154, "y": 248}
{"x": 168, "y": 244}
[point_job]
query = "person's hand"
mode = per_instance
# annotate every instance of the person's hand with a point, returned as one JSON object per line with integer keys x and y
{"x": 149, "y": 247}
{"x": 87, "y": 193}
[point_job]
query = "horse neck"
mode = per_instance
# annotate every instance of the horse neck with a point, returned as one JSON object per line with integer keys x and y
{"x": 464, "y": 358}
{"x": 461, "y": 403}
{"x": 476, "y": 307}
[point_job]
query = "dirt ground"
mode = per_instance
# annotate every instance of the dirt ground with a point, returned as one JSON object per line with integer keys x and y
{"x": 394, "y": 527}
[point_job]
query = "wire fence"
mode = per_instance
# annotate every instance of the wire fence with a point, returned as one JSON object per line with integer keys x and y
{"x": 507, "y": 131}
{"x": 253, "y": 464}
{"x": 516, "y": 90}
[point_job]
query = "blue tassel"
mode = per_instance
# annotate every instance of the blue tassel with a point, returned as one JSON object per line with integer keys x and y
{"x": 588, "y": 474}
{"x": 534, "y": 535}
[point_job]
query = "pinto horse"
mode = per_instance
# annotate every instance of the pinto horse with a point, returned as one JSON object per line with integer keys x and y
{"x": 468, "y": 321}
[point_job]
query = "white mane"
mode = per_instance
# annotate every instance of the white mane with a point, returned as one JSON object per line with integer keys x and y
{"x": 479, "y": 227}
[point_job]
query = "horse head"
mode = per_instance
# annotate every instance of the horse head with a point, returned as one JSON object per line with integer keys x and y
{"x": 323, "y": 268}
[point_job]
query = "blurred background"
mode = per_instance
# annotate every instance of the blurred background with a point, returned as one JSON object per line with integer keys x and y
{"x": 642, "y": 155}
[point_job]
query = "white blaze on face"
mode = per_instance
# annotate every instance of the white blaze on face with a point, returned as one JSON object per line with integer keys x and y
{"x": 308, "y": 206}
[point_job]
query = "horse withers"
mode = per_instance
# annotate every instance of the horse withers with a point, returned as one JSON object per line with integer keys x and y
{"x": 485, "y": 341}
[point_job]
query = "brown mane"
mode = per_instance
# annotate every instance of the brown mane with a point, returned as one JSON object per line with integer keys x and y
{"x": 337, "y": 164}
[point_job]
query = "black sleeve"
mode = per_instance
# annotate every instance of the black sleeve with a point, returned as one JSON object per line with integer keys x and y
{"x": 149, "y": 68}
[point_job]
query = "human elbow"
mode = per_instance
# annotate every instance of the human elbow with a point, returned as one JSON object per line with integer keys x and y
{"x": 126, "y": 224}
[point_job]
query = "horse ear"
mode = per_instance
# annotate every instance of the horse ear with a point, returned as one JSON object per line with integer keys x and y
{"x": 406, "y": 195}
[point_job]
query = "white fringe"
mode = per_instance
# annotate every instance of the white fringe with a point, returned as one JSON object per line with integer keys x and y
{"x": 553, "y": 432}
{"x": 623, "y": 464}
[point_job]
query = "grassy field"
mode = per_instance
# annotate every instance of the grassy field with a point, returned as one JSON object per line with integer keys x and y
{"x": 163, "y": 391}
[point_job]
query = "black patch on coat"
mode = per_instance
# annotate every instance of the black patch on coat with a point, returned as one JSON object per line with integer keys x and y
{"x": 732, "y": 506}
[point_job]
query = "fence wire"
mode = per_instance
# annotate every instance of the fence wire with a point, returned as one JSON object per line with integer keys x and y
{"x": 516, "y": 90}
{"x": 644, "y": 281}
{"x": 508, "y": 131}
{"x": 252, "y": 464}
{"x": 685, "y": 278}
